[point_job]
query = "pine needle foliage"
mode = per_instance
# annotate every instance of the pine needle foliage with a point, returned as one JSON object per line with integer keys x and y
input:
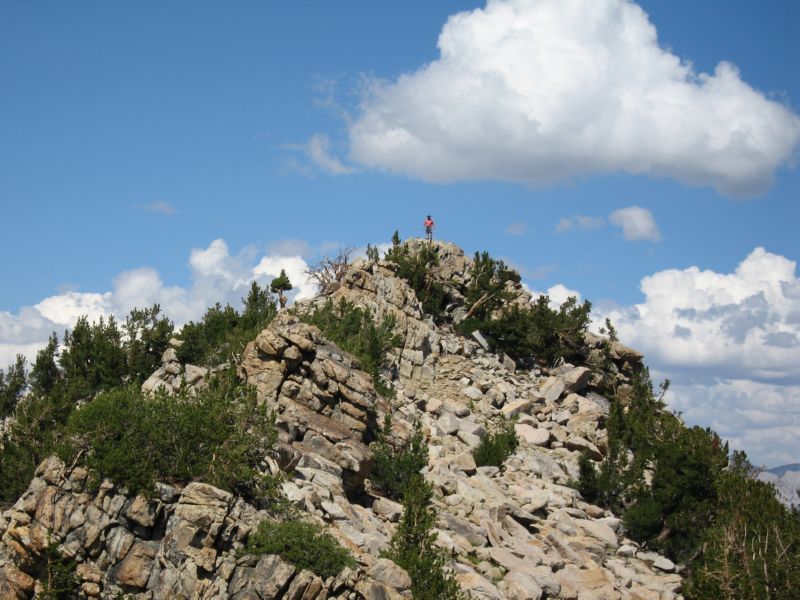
{"x": 13, "y": 382}
{"x": 394, "y": 468}
{"x": 147, "y": 336}
{"x": 303, "y": 544}
{"x": 536, "y": 332}
{"x": 94, "y": 357}
{"x": 682, "y": 463}
{"x": 218, "y": 436}
{"x": 752, "y": 551}
{"x": 700, "y": 506}
{"x": 487, "y": 291}
{"x": 413, "y": 546}
{"x": 496, "y": 447}
{"x": 60, "y": 581}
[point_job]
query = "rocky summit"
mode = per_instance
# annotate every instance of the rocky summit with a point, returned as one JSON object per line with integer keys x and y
{"x": 519, "y": 532}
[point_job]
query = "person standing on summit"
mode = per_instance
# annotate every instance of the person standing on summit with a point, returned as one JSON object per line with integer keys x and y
{"x": 428, "y": 223}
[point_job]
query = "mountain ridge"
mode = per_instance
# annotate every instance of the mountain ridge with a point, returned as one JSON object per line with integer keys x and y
{"x": 518, "y": 529}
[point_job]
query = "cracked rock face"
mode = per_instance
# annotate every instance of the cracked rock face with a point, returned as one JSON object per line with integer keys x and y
{"x": 326, "y": 408}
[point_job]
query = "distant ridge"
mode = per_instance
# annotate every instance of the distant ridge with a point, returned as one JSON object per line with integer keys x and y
{"x": 786, "y": 479}
{"x": 779, "y": 471}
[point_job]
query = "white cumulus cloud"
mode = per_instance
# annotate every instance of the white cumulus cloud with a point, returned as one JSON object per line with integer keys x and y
{"x": 540, "y": 90}
{"x": 730, "y": 342}
{"x": 295, "y": 267}
{"x": 637, "y": 224}
{"x": 557, "y": 294}
{"x": 744, "y": 324}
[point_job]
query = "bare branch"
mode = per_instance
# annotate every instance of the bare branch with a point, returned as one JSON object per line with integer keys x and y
{"x": 329, "y": 269}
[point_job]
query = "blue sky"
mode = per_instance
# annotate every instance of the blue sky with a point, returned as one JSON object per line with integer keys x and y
{"x": 134, "y": 136}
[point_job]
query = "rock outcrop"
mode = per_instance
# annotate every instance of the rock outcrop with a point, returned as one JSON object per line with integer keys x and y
{"x": 172, "y": 375}
{"x": 181, "y": 543}
{"x": 326, "y": 408}
{"x": 517, "y": 533}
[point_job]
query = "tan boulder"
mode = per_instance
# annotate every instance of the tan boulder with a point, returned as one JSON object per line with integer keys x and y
{"x": 522, "y": 586}
{"x": 478, "y": 586}
{"x": 535, "y": 436}
{"x": 134, "y": 570}
{"x": 15, "y": 583}
{"x": 388, "y": 573}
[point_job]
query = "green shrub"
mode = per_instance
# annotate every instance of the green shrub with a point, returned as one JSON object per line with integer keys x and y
{"x": 682, "y": 498}
{"x": 671, "y": 513}
{"x": 588, "y": 483}
{"x": 279, "y": 285}
{"x": 303, "y": 544}
{"x": 413, "y": 546}
{"x": 644, "y": 520}
{"x": 45, "y": 374}
{"x": 60, "y": 581}
{"x": 372, "y": 253}
{"x": 538, "y": 331}
{"x": 394, "y": 468}
{"x": 203, "y": 340}
{"x": 356, "y": 331}
{"x": 633, "y": 437}
{"x": 219, "y": 437}
{"x": 94, "y": 358}
{"x": 19, "y": 456}
{"x": 496, "y": 447}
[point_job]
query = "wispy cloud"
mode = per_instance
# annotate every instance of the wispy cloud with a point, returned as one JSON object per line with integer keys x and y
{"x": 291, "y": 247}
{"x": 164, "y": 208}
{"x": 537, "y": 272}
{"x": 318, "y": 151}
{"x": 518, "y": 228}
{"x": 579, "y": 222}
{"x": 637, "y": 224}
{"x": 317, "y": 156}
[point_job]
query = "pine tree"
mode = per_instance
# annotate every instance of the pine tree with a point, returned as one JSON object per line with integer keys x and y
{"x": 372, "y": 253}
{"x": 259, "y": 307}
{"x": 280, "y": 285}
{"x": 45, "y": 374}
{"x": 12, "y": 384}
{"x": 94, "y": 358}
{"x": 147, "y": 337}
{"x": 413, "y": 546}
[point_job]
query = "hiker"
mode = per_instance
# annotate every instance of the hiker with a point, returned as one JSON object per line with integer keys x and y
{"x": 428, "y": 223}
